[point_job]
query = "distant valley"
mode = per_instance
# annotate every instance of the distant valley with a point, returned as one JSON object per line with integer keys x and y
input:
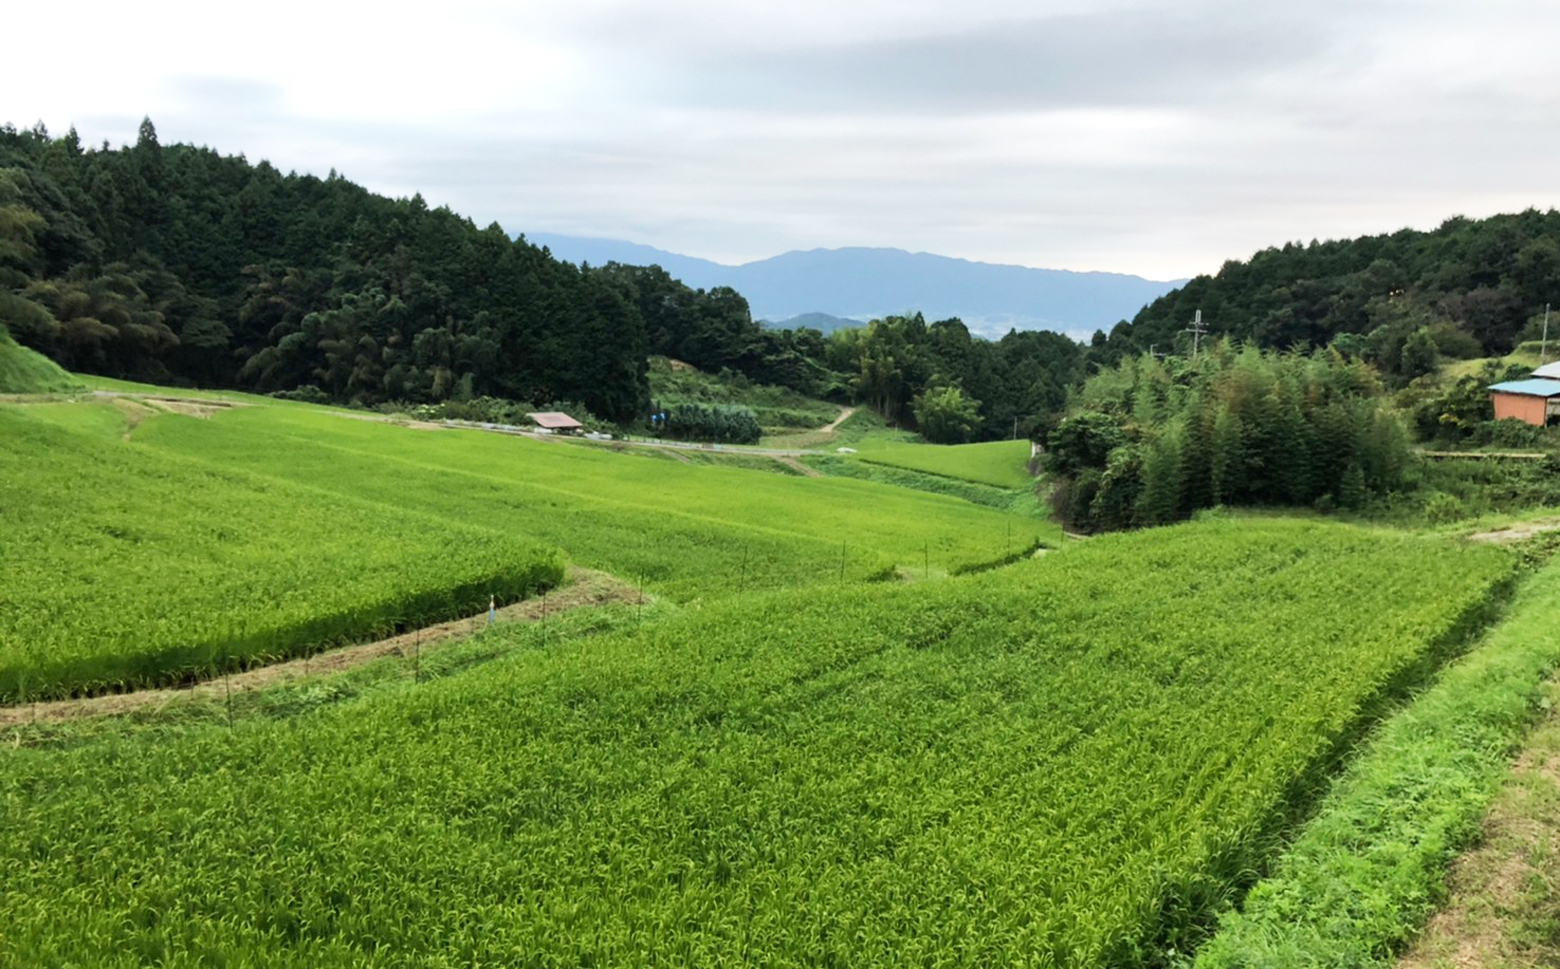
{"x": 829, "y": 288}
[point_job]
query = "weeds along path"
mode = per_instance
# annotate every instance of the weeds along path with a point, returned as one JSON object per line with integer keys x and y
{"x": 1503, "y": 903}
{"x": 586, "y": 588}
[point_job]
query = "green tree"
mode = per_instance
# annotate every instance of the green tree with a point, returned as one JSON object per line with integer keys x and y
{"x": 946, "y": 415}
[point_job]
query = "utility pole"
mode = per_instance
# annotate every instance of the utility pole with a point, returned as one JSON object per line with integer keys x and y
{"x": 1543, "y": 346}
{"x": 1196, "y": 330}
{"x": 1015, "y": 427}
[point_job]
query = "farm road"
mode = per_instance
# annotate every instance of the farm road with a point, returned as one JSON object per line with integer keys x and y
{"x": 586, "y": 588}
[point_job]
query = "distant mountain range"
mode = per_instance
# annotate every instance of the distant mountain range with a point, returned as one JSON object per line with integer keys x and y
{"x": 859, "y": 284}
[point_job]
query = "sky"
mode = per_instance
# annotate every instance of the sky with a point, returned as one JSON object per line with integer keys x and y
{"x": 1152, "y": 138}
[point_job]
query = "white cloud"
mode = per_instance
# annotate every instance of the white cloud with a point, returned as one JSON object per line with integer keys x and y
{"x": 1155, "y": 138}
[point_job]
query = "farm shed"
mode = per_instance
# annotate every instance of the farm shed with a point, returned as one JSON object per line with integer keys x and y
{"x": 557, "y": 422}
{"x": 1550, "y": 370}
{"x": 1532, "y": 401}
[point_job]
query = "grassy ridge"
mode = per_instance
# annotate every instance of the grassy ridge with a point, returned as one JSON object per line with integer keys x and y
{"x": 1018, "y": 501}
{"x": 1052, "y": 765}
{"x": 690, "y": 531}
{"x": 1000, "y": 464}
{"x": 122, "y": 566}
{"x": 24, "y": 371}
{"x": 1371, "y": 867}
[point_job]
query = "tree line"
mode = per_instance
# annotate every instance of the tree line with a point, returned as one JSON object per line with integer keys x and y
{"x": 176, "y": 264}
{"x": 1466, "y": 289}
{"x": 1151, "y": 441}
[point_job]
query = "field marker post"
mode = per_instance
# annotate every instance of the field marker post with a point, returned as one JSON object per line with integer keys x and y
{"x": 742, "y": 587}
{"x": 842, "y": 561}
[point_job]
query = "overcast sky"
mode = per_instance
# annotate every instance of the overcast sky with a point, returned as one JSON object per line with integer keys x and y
{"x": 1151, "y": 138}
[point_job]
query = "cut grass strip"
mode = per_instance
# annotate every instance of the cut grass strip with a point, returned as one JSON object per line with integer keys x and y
{"x": 1370, "y": 868}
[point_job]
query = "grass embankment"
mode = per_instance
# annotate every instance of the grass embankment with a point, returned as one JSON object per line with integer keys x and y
{"x": 1017, "y": 501}
{"x": 1054, "y": 764}
{"x": 1369, "y": 869}
{"x": 689, "y": 531}
{"x": 1000, "y": 464}
{"x": 24, "y": 371}
{"x": 125, "y": 567}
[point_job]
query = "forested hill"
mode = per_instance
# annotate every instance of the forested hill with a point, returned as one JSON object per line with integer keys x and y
{"x": 1474, "y": 285}
{"x": 180, "y": 265}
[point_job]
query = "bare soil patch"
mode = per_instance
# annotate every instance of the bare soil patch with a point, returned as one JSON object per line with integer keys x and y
{"x": 586, "y": 588}
{"x": 831, "y": 427}
{"x": 1516, "y": 533}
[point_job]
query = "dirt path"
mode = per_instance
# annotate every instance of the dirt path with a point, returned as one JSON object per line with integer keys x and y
{"x": 845, "y": 415}
{"x": 586, "y": 588}
{"x": 1504, "y": 902}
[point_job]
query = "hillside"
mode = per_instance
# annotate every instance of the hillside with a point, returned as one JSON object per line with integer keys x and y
{"x": 24, "y": 371}
{"x": 1475, "y": 287}
{"x": 861, "y": 282}
{"x": 179, "y": 265}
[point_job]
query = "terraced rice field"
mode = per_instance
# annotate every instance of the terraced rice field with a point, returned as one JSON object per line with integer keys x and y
{"x": 1069, "y": 762}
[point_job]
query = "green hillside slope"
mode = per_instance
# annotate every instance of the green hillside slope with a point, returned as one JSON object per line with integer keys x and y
{"x": 24, "y": 371}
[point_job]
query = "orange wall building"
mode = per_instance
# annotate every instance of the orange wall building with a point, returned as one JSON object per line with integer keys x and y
{"x": 1530, "y": 401}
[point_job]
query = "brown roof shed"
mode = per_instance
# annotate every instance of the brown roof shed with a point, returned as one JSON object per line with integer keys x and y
{"x": 555, "y": 421}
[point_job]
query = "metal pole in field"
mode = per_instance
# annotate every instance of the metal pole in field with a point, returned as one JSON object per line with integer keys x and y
{"x": 842, "y": 561}
{"x": 742, "y": 586}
